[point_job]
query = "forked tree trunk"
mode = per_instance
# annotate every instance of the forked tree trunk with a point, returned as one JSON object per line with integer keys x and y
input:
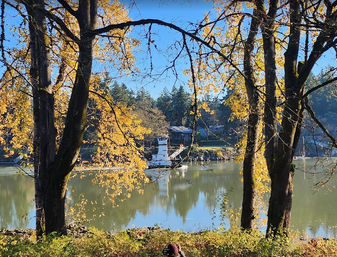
{"x": 280, "y": 167}
{"x": 67, "y": 154}
{"x": 52, "y": 171}
{"x": 280, "y": 147}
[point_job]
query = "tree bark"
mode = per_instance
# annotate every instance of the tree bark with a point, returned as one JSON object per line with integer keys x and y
{"x": 247, "y": 215}
{"x": 43, "y": 108}
{"x": 52, "y": 170}
{"x": 248, "y": 200}
{"x": 270, "y": 121}
{"x": 70, "y": 144}
{"x": 75, "y": 125}
{"x": 281, "y": 171}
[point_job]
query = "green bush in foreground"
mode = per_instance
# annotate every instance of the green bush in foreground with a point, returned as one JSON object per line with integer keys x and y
{"x": 150, "y": 242}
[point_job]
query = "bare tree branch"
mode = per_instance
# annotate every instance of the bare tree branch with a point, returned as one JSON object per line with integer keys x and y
{"x": 322, "y": 127}
{"x": 318, "y": 87}
{"x": 124, "y": 25}
{"x": 62, "y": 25}
{"x": 68, "y": 8}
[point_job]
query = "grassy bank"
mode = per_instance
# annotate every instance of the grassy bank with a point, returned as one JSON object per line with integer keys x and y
{"x": 209, "y": 153}
{"x": 150, "y": 242}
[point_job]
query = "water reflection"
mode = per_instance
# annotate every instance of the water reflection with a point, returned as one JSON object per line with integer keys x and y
{"x": 179, "y": 199}
{"x": 314, "y": 208}
{"x": 16, "y": 198}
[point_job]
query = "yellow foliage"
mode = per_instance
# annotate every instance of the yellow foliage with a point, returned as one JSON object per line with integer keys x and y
{"x": 117, "y": 129}
{"x": 215, "y": 71}
{"x": 16, "y": 123}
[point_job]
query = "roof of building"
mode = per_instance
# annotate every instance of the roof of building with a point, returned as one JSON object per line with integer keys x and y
{"x": 180, "y": 129}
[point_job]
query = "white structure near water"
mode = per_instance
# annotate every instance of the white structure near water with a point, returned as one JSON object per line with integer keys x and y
{"x": 161, "y": 159}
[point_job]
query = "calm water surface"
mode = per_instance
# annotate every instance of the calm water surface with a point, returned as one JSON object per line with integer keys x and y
{"x": 187, "y": 200}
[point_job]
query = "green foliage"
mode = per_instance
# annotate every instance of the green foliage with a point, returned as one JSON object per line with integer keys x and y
{"x": 121, "y": 94}
{"x": 150, "y": 242}
{"x": 175, "y": 106}
{"x": 152, "y": 118}
{"x": 143, "y": 98}
{"x": 214, "y": 112}
{"x": 220, "y": 112}
{"x": 323, "y": 101}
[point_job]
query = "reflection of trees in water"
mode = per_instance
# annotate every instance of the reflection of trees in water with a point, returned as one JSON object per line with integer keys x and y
{"x": 313, "y": 209}
{"x": 182, "y": 195}
{"x": 209, "y": 180}
{"x": 117, "y": 214}
{"x": 16, "y": 198}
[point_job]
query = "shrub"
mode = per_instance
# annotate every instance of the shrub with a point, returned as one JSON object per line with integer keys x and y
{"x": 151, "y": 241}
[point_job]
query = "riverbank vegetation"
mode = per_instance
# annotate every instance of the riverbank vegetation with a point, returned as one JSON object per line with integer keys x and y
{"x": 151, "y": 242}
{"x": 210, "y": 153}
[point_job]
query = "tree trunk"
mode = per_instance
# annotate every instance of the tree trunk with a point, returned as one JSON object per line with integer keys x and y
{"x": 280, "y": 201}
{"x": 248, "y": 200}
{"x": 55, "y": 205}
{"x": 70, "y": 144}
{"x": 75, "y": 125}
{"x": 281, "y": 169}
{"x": 247, "y": 214}
{"x": 270, "y": 121}
{"x": 43, "y": 108}
{"x": 52, "y": 171}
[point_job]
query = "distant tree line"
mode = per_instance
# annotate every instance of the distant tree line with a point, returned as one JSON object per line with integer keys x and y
{"x": 173, "y": 108}
{"x": 323, "y": 106}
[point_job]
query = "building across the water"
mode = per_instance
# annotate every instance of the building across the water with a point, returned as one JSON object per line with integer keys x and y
{"x": 180, "y": 135}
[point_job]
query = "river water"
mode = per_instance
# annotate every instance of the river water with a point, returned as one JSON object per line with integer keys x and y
{"x": 183, "y": 199}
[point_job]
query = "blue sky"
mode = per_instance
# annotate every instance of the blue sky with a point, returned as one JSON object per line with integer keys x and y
{"x": 179, "y": 12}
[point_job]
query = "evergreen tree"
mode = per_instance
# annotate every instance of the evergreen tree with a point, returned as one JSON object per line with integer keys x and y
{"x": 181, "y": 105}
{"x": 122, "y": 94}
